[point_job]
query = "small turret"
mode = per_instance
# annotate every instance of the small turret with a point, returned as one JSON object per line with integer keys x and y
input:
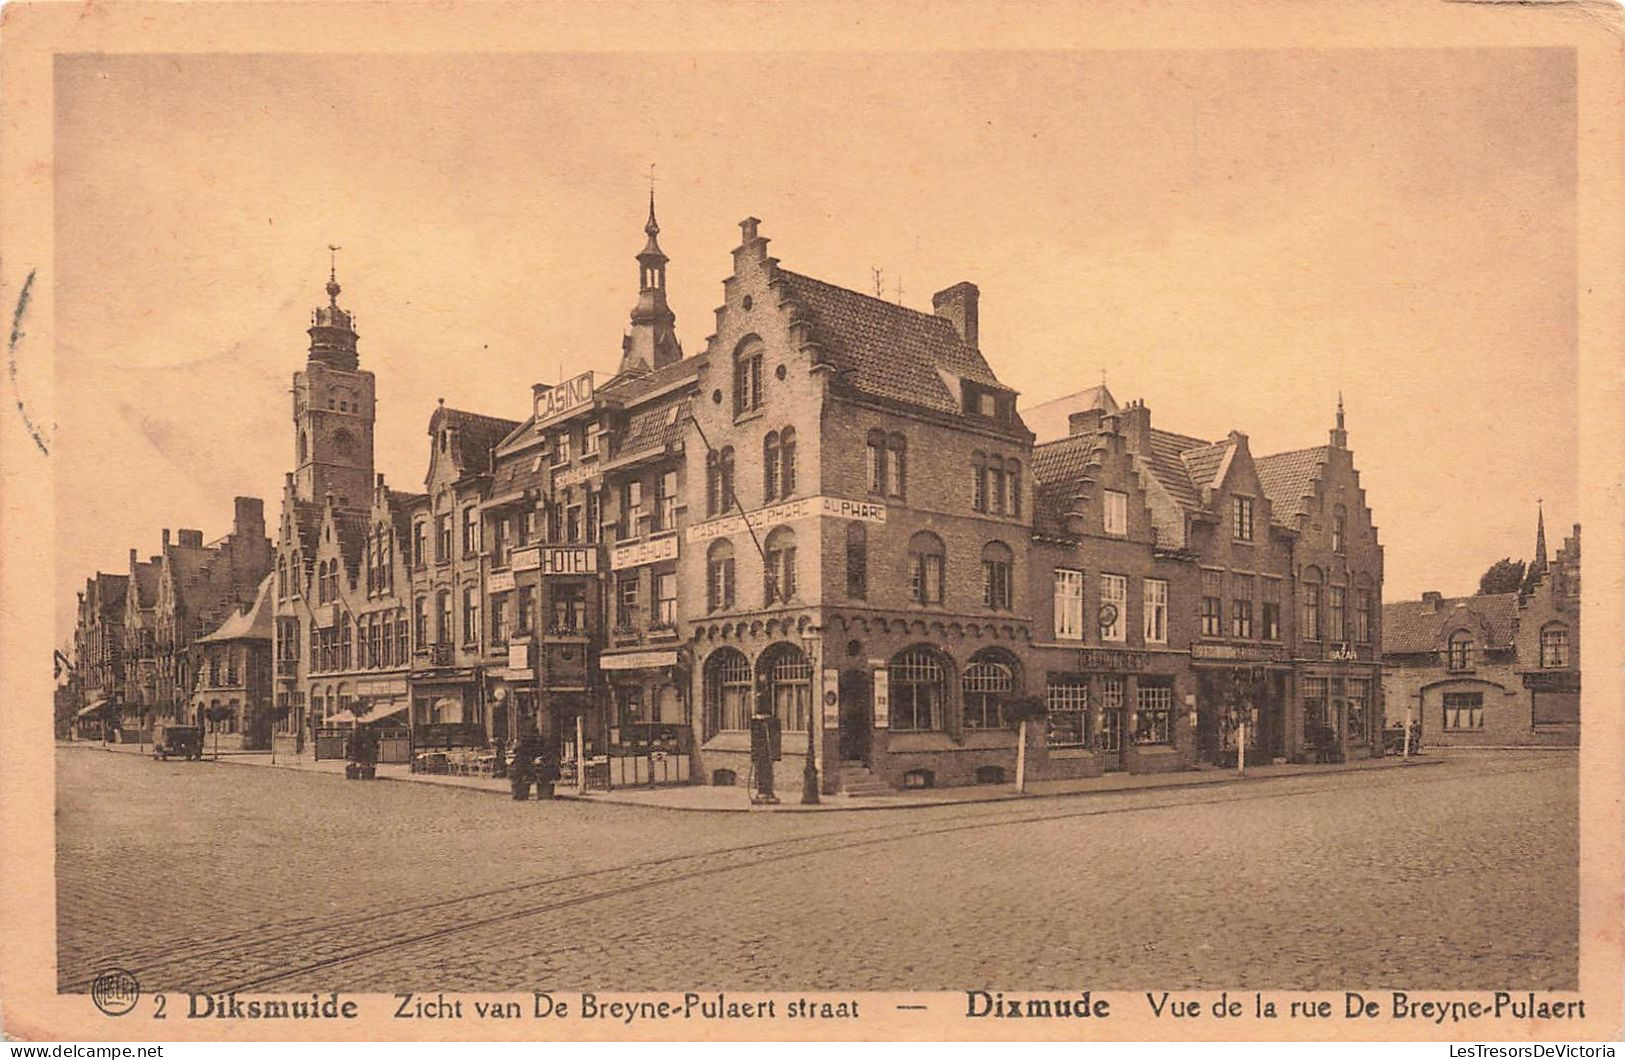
{"x": 332, "y": 330}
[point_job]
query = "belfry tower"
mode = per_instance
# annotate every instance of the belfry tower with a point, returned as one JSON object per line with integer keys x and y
{"x": 333, "y": 409}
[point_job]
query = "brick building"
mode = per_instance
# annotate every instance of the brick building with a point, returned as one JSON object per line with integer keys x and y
{"x": 1499, "y": 669}
{"x": 233, "y": 663}
{"x": 98, "y": 648}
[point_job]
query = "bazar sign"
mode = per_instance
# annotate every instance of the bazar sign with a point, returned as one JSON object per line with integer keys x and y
{"x": 1237, "y": 653}
{"x": 806, "y": 508}
{"x": 556, "y": 402}
{"x": 1342, "y": 653}
{"x": 637, "y": 553}
{"x": 1111, "y": 660}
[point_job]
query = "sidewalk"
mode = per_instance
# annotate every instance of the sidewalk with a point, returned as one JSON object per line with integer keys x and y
{"x": 708, "y": 799}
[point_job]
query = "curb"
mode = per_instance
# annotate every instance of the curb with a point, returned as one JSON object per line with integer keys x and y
{"x": 921, "y": 804}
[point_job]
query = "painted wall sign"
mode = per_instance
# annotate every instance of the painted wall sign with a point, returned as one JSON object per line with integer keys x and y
{"x": 565, "y": 477}
{"x": 882, "y": 699}
{"x": 1111, "y": 660}
{"x": 499, "y": 581}
{"x": 526, "y": 558}
{"x": 519, "y": 655}
{"x": 832, "y": 698}
{"x": 637, "y": 553}
{"x": 804, "y": 508}
{"x": 557, "y": 402}
{"x": 570, "y": 559}
{"x": 1342, "y": 653}
{"x": 1237, "y": 653}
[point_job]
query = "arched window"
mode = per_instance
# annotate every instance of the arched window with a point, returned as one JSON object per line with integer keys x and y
{"x": 719, "y": 575}
{"x": 896, "y": 465}
{"x": 787, "y": 462}
{"x": 770, "y": 466}
{"x": 345, "y": 637}
{"x": 1459, "y": 652}
{"x": 1013, "y": 472}
{"x": 979, "y": 471}
{"x": 987, "y": 682}
{"x": 998, "y": 576}
{"x": 1340, "y": 520}
{"x": 779, "y": 570}
{"x": 728, "y": 689}
{"x": 787, "y": 676}
{"x": 719, "y": 481}
{"x": 748, "y": 375}
{"x": 304, "y": 447}
{"x": 857, "y": 560}
{"x": 1554, "y": 647}
{"x": 343, "y": 443}
{"x": 925, "y": 567}
{"x": 918, "y": 690}
{"x": 281, "y": 577}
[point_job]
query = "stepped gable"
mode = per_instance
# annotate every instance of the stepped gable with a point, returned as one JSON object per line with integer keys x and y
{"x": 884, "y": 349}
{"x": 1289, "y": 480}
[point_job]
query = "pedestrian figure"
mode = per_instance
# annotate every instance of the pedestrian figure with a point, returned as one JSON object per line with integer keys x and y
{"x": 525, "y": 754}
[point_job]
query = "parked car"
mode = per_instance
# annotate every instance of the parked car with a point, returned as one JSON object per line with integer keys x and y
{"x": 182, "y": 741}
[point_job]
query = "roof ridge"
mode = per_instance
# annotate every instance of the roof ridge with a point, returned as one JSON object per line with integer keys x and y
{"x": 898, "y": 306}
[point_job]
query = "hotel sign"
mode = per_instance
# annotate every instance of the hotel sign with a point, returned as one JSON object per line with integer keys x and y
{"x": 638, "y": 553}
{"x": 804, "y": 508}
{"x": 557, "y": 402}
{"x": 557, "y": 559}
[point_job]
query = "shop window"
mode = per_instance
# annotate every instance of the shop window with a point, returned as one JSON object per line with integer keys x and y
{"x": 1463, "y": 711}
{"x": 1153, "y": 714}
{"x": 990, "y": 774}
{"x": 1554, "y": 647}
{"x": 918, "y": 690}
{"x": 984, "y": 687}
{"x": 1316, "y": 718}
{"x": 728, "y": 688}
{"x": 1358, "y": 701}
{"x": 787, "y": 675}
{"x": 925, "y": 562}
{"x": 915, "y": 779}
{"x": 1068, "y": 715}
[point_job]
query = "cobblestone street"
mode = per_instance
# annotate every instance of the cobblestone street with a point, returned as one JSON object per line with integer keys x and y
{"x": 217, "y": 876}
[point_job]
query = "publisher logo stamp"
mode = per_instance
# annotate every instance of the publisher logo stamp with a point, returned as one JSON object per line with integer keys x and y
{"x": 115, "y": 991}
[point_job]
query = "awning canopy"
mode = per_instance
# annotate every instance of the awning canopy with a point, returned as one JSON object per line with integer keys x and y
{"x": 380, "y": 711}
{"x": 343, "y": 717}
{"x": 91, "y": 708}
{"x": 637, "y": 660}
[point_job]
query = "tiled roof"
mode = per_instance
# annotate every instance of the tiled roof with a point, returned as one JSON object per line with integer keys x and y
{"x": 887, "y": 350}
{"x": 1203, "y": 463}
{"x": 476, "y": 436}
{"x": 1289, "y": 480}
{"x": 1063, "y": 460}
{"x": 1169, "y": 469}
{"x": 254, "y": 624}
{"x": 1412, "y": 626}
{"x": 657, "y": 426}
{"x": 1052, "y": 419}
{"x": 630, "y": 385}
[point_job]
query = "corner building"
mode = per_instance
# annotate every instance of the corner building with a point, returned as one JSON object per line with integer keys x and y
{"x": 854, "y": 557}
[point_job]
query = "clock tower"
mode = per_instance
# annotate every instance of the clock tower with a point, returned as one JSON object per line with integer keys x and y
{"x": 333, "y": 411}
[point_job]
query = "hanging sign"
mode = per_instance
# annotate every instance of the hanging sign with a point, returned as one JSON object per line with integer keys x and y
{"x": 832, "y": 697}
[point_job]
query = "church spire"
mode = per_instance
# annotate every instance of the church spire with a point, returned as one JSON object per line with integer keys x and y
{"x": 1340, "y": 436}
{"x": 1540, "y": 536}
{"x": 652, "y": 342}
{"x": 332, "y": 330}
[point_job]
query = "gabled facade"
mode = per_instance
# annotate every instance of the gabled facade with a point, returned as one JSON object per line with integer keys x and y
{"x": 1491, "y": 670}
{"x": 99, "y": 652}
{"x": 232, "y": 693}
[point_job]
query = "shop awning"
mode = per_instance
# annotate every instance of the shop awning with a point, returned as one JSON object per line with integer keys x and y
{"x": 343, "y": 717}
{"x": 381, "y": 711}
{"x": 637, "y": 660}
{"x": 91, "y": 708}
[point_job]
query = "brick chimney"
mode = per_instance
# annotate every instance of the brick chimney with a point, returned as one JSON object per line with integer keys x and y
{"x": 1136, "y": 426}
{"x": 1085, "y": 422}
{"x": 1433, "y": 600}
{"x": 249, "y": 516}
{"x": 752, "y": 247}
{"x": 190, "y": 538}
{"x": 959, "y": 306}
{"x": 166, "y": 540}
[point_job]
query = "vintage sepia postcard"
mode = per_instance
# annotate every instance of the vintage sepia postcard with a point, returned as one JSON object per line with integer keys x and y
{"x": 817, "y": 521}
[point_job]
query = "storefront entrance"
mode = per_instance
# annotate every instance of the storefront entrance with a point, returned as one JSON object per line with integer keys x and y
{"x": 1221, "y": 695}
{"x": 1111, "y": 739}
{"x": 857, "y": 715}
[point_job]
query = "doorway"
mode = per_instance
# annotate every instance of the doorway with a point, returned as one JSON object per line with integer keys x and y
{"x": 857, "y": 715}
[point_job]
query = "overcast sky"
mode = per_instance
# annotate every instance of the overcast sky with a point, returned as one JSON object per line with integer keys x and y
{"x": 1232, "y": 236}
